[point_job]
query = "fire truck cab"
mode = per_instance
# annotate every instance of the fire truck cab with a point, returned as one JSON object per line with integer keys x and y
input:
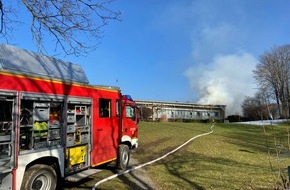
{"x": 55, "y": 125}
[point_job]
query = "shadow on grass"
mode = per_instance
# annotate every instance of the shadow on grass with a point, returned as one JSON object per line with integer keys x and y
{"x": 65, "y": 185}
{"x": 196, "y": 170}
{"x": 253, "y": 139}
{"x": 248, "y": 138}
{"x": 148, "y": 151}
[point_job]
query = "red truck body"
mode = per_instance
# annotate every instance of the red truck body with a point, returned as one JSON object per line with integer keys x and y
{"x": 54, "y": 123}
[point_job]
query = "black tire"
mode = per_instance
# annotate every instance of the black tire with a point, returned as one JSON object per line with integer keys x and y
{"x": 39, "y": 177}
{"x": 123, "y": 157}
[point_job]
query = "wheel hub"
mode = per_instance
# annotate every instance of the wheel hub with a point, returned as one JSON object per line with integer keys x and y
{"x": 37, "y": 184}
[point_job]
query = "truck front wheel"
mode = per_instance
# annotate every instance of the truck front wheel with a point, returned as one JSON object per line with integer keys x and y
{"x": 123, "y": 157}
{"x": 39, "y": 177}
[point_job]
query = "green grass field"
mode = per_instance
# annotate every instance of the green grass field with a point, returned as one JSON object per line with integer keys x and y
{"x": 232, "y": 157}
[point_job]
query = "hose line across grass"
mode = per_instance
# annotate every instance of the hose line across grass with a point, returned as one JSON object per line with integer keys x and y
{"x": 153, "y": 161}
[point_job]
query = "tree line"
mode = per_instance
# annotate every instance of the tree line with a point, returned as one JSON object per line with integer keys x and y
{"x": 272, "y": 75}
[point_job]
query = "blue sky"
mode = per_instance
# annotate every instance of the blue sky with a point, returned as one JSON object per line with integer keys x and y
{"x": 199, "y": 51}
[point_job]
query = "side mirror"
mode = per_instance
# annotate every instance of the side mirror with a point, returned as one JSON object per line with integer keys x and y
{"x": 137, "y": 115}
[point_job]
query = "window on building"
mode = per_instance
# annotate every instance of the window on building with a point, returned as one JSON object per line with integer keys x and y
{"x": 216, "y": 114}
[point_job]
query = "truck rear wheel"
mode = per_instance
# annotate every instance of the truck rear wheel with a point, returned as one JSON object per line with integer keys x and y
{"x": 123, "y": 157}
{"x": 39, "y": 177}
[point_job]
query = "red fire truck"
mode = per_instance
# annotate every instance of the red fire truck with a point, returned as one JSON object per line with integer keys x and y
{"x": 55, "y": 125}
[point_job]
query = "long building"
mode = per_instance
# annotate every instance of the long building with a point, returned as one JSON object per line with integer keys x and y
{"x": 170, "y": 111}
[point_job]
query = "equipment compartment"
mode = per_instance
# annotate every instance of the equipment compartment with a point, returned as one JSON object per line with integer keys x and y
{"x": 70, "y": 118}
{"x": 5, "y": 138}
{"x": 70, "y": 140}
{"x": 54, "y": 134}
{"x": 54, "y": 124}
{"x": 84, "y": 129}
{"x": 85, "y": 138}
{"x": 38, "y": 145}
{"x": 76, "y": 155}
{"x": 41, "y": 114}
{"x": 70, "y": 129}
{"x": 54, "y": 143}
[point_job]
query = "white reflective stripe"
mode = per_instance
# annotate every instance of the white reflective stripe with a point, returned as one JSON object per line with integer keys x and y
{"x": 126, "y": 138}
{"x": 134, "y": 142}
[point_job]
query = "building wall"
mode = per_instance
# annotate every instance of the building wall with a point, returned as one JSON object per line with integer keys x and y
{"x": 179, "y": 110}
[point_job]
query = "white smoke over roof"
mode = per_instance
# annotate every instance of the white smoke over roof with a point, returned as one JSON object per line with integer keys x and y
{"x": 221, "y": 71}
{"x": 226, "y": 80}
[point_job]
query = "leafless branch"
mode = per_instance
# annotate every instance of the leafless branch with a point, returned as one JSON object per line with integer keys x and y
{"x": 75, "y": 26}
{"x": 7, "y": 21}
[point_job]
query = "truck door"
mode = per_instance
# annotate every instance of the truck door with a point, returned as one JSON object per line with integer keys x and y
{"x": 129, "y": 121}
{"x": 7, "y": 138}
{"x": 78, "y": 134}
{"x": 106, "y": 130}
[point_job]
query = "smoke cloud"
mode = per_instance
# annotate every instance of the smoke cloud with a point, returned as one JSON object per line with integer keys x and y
{"x": 226, "y": 80}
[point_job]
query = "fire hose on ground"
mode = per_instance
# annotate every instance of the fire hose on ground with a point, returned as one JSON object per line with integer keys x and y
{"x": 153, "y": 161}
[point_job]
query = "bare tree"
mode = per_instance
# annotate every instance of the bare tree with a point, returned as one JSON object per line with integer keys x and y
{"x": 249, "y": 108}
{"x": 146, "y": 112}
{"x": 75, "y": 25}
{"x": 273, "y": 73}
{"x": 258, "y": 107}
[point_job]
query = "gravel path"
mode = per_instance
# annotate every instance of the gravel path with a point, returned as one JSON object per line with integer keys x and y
{"x": 140, "y": 177}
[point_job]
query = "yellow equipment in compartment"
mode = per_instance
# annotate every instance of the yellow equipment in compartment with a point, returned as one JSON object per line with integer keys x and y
{"x": 76, "y": 155}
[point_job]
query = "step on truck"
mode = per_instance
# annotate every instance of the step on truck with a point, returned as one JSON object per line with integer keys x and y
{"x": 54, "y": 125}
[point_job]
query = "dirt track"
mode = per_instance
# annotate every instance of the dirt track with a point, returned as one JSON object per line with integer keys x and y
{"x": 136, "y": 180}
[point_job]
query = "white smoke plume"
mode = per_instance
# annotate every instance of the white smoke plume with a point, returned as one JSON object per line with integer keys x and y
{"x": 224, "y": 81}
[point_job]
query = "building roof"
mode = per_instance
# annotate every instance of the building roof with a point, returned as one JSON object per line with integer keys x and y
{"x": 21, "y": 61}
